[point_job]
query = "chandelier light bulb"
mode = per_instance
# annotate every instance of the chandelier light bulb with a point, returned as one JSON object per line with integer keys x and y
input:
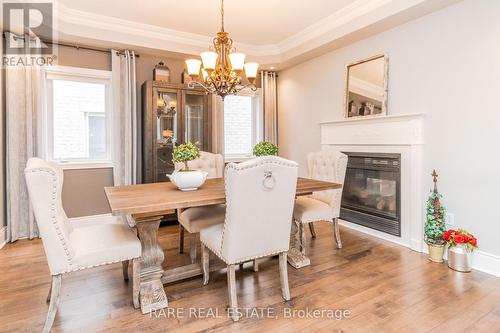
{"x": 237, "y": 61}
{"x": 193, "y": 67}
{"x": 209, "y": 59}
{"x": 251, "y": 70}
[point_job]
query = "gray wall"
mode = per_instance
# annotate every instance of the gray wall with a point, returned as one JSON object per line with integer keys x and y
{"x": 83, "y": 191}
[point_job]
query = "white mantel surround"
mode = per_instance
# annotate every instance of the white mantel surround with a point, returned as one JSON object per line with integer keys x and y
{"x": 401, "y": 134}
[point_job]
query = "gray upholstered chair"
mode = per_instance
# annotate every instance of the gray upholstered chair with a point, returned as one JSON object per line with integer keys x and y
{"x": 259, "y": 206}
{"x": 72, "y": 248}
{"x": 327, "y": 165}
{"x": 194, "y": 219}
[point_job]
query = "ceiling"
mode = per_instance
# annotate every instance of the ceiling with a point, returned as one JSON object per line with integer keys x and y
{"x": 257, "y": 22}
{"x": 274, "y": 33}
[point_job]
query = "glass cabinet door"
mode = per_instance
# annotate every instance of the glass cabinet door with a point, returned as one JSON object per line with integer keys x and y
{"x": 166, "y": 114}
{"x": 167, "y": 132}
{"x": 195, "y": 114}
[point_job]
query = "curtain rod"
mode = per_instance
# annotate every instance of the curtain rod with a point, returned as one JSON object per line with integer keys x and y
{"x": 89, "y": 48}
{"x": 269, "y": 71}
{"x": 78, "y": 47}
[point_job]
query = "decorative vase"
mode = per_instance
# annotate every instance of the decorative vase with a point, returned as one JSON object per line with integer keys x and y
{"x": 436, "y": 252}
{"x": 459, "y": 258}
{"x": 188, "y": 180}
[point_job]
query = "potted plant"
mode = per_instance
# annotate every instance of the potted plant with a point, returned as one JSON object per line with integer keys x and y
{"x": 265, "y": 148}
{"x": 435, "y": 226}
{"x": 186, "y": 179}
{"x": 460, "y": 246}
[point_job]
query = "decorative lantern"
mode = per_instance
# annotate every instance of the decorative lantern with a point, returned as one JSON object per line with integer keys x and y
{"x": 161, "y": 72}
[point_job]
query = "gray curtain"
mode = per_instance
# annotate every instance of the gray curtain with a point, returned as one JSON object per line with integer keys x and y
{"x": 217, "y": 125}
{"x": 124, "y": 117}
{"x": 22, "y": 85}
{"x": 269, "y": 106}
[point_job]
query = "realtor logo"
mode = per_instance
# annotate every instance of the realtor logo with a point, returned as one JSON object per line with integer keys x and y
{"x": 29, "y": 24}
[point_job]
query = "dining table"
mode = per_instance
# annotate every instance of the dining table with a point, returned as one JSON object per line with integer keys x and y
{"x": 145, "y": 205}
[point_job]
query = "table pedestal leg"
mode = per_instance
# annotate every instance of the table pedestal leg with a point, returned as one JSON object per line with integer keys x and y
{"x": 295, "y": 256}
{"x": 152, "y": 294}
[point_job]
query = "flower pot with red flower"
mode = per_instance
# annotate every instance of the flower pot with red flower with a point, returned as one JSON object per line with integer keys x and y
{"x": 461, "y": 244}
{"x": 434, "y": 226}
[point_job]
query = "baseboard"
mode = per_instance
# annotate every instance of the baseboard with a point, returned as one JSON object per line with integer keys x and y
{"x": 374, "y": 233}
{"x": 3, "y": 236}
{"x": 486, "y": 262}
{"x": 481, "y": 261}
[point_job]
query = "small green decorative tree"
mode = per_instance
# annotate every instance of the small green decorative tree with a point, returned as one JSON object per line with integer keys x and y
{"x": 435, "y": 225}
{"x": 185, "y": 153}
{"x": 265, "y": 148}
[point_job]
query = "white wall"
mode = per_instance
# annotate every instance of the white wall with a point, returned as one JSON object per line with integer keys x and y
{"x": 447, "y": 65}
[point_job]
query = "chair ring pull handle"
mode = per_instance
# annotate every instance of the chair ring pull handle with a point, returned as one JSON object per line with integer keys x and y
{"x": 269, "y": 181}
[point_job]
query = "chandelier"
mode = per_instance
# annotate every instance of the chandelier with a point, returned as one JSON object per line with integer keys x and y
{"x": 222, "y": 67}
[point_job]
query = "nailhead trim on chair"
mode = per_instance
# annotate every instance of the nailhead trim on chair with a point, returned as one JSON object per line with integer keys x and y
{"x": 219, "y": 254}
{"x": 237, "y": 167}
{"x": 260, "y": 256}
{"x": 59, "y": 233}
{"x": 53, "y": 211}
{"x": 92, "y": 266}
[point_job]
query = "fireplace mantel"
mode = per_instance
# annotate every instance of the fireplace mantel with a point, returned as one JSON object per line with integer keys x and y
{"x": 401, "y": 134}
{"x": 375, "y": 118}
{"x": 377, "y": 130}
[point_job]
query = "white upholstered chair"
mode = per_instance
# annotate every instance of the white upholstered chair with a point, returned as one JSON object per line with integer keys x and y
{"x": 196, "y": 218}
{"x": 95, "y": 220}
{"x": 87, "y": 221}
{"x": 72, "y": 248}
{"x": 259, "y": 206}
{"x": 327, "y": 165}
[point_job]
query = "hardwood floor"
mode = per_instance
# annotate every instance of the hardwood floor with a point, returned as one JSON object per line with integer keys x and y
{"x": 385, "y": 287}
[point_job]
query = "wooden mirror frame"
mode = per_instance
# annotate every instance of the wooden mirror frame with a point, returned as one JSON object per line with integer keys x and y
{"x": 386, "y": 86}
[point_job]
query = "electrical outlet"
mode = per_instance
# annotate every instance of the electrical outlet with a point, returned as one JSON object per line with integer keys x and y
{"x": 450, "y": 219}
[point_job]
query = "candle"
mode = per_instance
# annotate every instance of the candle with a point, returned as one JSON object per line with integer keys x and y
{"x": 167, "y": 133}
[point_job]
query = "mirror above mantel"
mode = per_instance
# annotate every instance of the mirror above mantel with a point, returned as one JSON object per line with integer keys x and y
{"x": 366, "y": 87}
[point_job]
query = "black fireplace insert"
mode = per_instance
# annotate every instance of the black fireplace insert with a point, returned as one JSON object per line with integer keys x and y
{"x": 372, "y": 191}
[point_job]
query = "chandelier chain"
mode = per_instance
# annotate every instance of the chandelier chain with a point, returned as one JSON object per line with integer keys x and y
{"x": 222, "y": 14}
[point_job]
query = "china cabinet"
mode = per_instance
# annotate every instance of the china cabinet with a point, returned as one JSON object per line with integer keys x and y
{"x": 172, "y": 114}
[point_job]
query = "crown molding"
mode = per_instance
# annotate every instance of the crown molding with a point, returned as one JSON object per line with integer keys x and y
{"x": 332, "y": 22}
{"x": 90, "y": 25}
{"x": 72, "y": 23}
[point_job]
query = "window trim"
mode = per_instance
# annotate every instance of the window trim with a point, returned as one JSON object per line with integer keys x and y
{"x": 45, "y": 123}
{"x": 257, "y": 125}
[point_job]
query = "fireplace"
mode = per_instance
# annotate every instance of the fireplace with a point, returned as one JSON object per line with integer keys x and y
{"x": 372, "y": 191}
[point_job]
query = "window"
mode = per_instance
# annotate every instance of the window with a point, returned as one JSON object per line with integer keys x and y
{"x": 77, "y": 116}
{"x": 242, "y": 125}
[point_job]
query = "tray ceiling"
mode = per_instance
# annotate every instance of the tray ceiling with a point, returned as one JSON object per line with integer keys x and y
{"x": 257, "y": 22}
{"x": 272, "y": 32}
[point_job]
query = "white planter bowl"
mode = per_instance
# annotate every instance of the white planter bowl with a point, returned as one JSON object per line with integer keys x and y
{"x": 188, "y": 180}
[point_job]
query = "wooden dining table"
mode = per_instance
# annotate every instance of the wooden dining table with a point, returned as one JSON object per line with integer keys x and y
{"x": 144, "y": 206}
